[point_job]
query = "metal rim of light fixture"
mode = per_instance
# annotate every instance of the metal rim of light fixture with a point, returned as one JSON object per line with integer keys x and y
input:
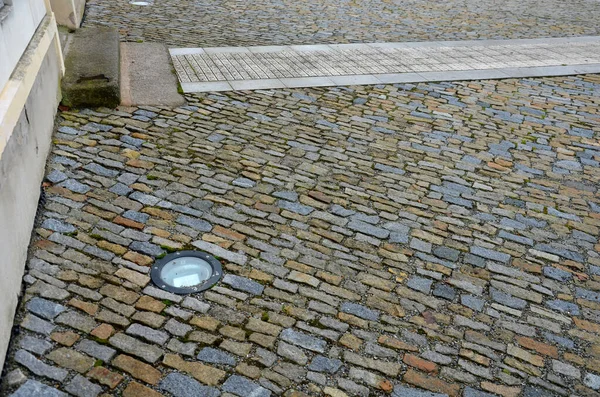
{"x": 217, "y": 272}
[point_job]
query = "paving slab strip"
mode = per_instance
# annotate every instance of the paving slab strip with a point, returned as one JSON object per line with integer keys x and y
{"x": 147, "y": 76}
{"x": 269, "y": 67}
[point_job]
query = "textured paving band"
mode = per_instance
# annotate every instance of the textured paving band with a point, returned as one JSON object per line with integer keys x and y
{"x": 264, "y": 67}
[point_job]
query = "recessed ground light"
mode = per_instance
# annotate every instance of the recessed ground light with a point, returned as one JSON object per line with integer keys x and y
{"x": 186, "y": 272}
{"x": 139, "y": 3}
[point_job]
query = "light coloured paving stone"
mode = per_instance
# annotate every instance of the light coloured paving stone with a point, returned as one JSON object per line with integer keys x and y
{"x": 227, "y": 50}
{"x": 311, "y": 47}
{"x": 354, "y": 80}
{"x": 268, "y": 48}
{"x": 393, "y": 78}
{"x": 562, "y": 70}
{"x": 256, "y": 84}
{"x": 465, "y": 75}
{"x": 294, "y": 82}
{"x": 184, "y": 51}
{"x": 206, "y": 86}
{"x": 359, "y": 64}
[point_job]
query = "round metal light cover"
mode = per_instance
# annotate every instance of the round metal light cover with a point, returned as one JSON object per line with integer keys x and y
{"x": 186, "y": 272}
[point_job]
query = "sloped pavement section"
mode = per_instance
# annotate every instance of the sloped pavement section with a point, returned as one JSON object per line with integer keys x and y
{"x": 413, "y": 240}
{"x": 265, "y": 67}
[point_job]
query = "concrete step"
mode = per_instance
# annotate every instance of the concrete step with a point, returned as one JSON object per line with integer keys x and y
{"x": 92, "y": 77}
{"x": 148, "y": 76}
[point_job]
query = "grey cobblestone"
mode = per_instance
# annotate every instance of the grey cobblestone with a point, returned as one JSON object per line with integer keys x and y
{"x": 303, "y": 340}
{"x": 148, "y": 333}
{"x": 38, "y": 367}
{"x": 96, "y": 350}
{"x": 324, "y": 364}
{"x": 35, "y": 345}
{"x": 44, "y": 308}
{"x": 35, "y": 388}
{"x": 215, "y": 356}
{"x": 360, "y": 311}
{"x": 58, "y": 226}
{"x": 132, "y": 346}
{"x": 243, "y": 284}
{"x": 403, "y": 391}
{"x": 182, "y": 386}
{"x": 81, "y": 387}
{"x": 242, "y": 387}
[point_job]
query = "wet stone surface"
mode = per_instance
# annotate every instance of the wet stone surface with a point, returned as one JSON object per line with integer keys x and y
{"x": 472, "y": 272}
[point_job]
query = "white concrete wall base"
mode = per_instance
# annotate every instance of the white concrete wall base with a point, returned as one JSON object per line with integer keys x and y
{"x": 27, "y": 111}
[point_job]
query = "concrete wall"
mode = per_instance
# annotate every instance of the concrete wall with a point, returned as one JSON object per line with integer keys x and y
{"x": 28, "y": 106}
{"x": 68, "y": 12}
{"x": 16, "y": 30}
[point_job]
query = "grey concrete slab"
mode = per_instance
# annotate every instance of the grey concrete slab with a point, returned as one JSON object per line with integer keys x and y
{"x": 316, "y": 47}
{"x": 148, "y": 76}
{"x": 296, "y": 82}
{"x": 464, "y": 75}
{"x": 355, "y": 80}
{"x": 185, "y": 51}
{"x": 550, "y": 70}
{"x": 354, "y": 46}
{"x": 206, "y": 86}
{"x": 256, "y": 84}
{"x": 393, "y": 78}
{"x": 268, "y": 48}
{"x": 225, "y": 50}
{"x": 92, "y": 69}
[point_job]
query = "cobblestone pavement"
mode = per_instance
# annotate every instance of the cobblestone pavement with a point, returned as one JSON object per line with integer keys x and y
{"x": 211, "y": 23}
{"x": 376, "y": 240}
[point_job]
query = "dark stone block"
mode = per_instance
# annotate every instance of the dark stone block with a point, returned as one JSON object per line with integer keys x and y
{"x": 92, "y": 69}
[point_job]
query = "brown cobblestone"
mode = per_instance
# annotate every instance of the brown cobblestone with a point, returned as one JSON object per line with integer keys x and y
{"x": 65, "y": 338}
{"x": 419, "y": 363}
{"x": 148, "y": 303}
{"x": 137, "y": 369}
{"x": 89, "y": 308}
{"x": 135, "y": 389}
{"x": 430, "y": 383}
{"x": 105, "y": 377}
{"x": 204, "y": 373}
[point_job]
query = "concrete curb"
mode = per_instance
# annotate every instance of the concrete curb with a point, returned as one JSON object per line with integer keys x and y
{"x": 92, "y": 77}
